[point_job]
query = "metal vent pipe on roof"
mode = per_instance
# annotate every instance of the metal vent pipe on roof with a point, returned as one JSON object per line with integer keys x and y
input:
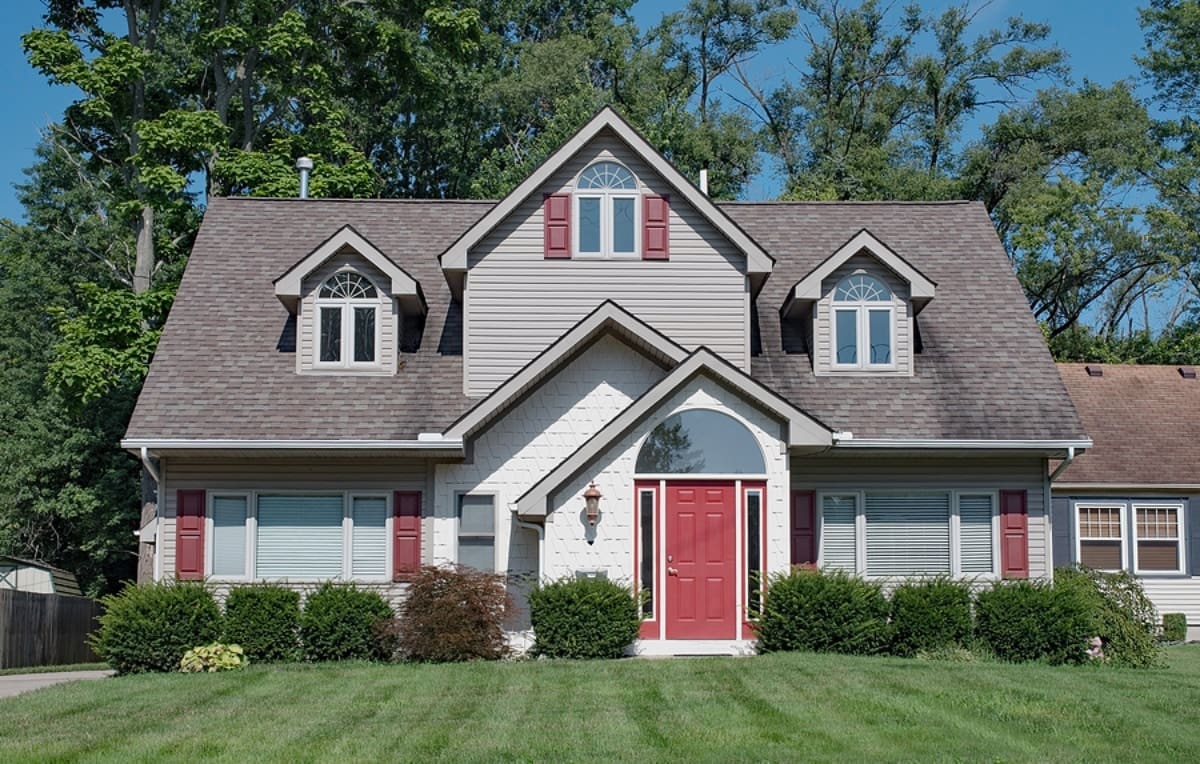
{"x": 704, "y": 182}
{"x": 304, "y": 165}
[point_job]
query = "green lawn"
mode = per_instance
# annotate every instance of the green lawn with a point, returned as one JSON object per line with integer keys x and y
{"x": 773, "y": 708}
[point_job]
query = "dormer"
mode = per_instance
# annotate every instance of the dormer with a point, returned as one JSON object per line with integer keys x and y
{"x": 860, "y": 305}
{"x": 349, "y": 301}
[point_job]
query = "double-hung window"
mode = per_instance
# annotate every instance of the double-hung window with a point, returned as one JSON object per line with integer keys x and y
{"x": 347, "y": 322}
{"x": 477, "y": 531}
{"x": 283, "y": 535}
{"x": 864, "y": 320}
{"x": 1101, "y": 536}
{"x": 1157, "y": 531}
{"x": 896, "y": 534}
{"x": 606, "y": 212}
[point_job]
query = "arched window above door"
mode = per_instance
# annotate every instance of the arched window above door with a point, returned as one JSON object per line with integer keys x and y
{"x": 701, "y": 442}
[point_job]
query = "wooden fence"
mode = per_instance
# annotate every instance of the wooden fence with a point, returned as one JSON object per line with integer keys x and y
{"x": 45, "y": 629}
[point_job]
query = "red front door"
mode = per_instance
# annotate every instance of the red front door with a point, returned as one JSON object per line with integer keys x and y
{"x": 701, "y": 576}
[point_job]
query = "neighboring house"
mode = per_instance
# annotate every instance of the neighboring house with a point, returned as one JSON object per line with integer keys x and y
{"x": 350, "y": 389}
{"x": 37, "y": 577}
{"x": 1133, "y": 501}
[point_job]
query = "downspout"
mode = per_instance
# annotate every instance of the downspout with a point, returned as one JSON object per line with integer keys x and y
{"x": 1065, "y": 463}
{"x": 540, "y": 530}
{"x": 148, "y": 463}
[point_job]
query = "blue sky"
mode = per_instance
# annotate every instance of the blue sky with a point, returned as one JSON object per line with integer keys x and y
{"x": 1100, "y": 36}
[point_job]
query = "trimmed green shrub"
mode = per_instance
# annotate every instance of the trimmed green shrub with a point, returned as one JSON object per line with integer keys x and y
{"x": 583, "y": 618}
{"x": 150, "y": 627}
{"x": 1033, "y": 621}
{"x": 213, "y": 658}
{"x": 1121, "y": 614}
{"x": 265, "y": 621}
{"x": 338, "y": 623}
{"x": 1174, "y": 627}
{"x": 930, "y": 615}
{"x": 451, "y": 614}
{"x": 823, "y": 612}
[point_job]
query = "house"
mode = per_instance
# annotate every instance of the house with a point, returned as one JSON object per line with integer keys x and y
{"x": 349, "y": 389}
{"x": 38, "y": 577}
{"x": 1133, "y": 501}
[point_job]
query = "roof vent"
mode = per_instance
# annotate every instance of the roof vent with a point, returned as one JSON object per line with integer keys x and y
{"x": 304, "y": 165}
{"x": 1187, "y": 372}
{"x": 1094, "y": 371}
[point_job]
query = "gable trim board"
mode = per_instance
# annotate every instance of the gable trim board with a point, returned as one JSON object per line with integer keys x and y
{"x": 803, "y": 430}
{"x": 454, "y": 259}
{"x": 808, "y": 289}
{"x": 608, "y": 317}
{"x": 288, "y": 287}
{"x": 1050, "y": 447}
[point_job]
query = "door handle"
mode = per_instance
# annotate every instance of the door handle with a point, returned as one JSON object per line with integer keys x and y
{"x": 672, "y": 571}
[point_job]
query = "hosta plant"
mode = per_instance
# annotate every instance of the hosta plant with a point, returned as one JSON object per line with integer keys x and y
{"x": 214, "y": 657}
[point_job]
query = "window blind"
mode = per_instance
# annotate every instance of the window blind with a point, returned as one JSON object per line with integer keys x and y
{"x": 907, "y": 535}
{"x": 229, "y": 536}
{"x": 368, "y": 539}
{"x": 837, "y": 532}
{"x": 975, "y": 534}
{"x": 299, "y": 537}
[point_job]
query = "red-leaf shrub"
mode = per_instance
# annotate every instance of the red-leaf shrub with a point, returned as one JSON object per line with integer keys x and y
{"x": 450, "y": 614}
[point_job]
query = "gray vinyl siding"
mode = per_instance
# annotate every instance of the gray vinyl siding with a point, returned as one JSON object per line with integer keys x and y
{"x": 823, "y": 319}
{"x": 324, "y": 474}
{"x": 516, "y": 302}
{"x": 985, "y": 474}
{"x": 389, "y": 313}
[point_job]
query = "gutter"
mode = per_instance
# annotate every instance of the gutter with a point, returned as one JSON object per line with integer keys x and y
{"x": 541, "y": 533}
{"x": 847, "y": 440}
{"x": 424, "y": 442}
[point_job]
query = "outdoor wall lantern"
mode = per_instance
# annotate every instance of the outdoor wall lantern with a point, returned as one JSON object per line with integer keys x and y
{"x": 591, "y": 500}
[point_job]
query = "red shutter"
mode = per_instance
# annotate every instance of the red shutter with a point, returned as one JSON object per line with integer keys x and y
{"x": 656, "y": 225}
{"x": 189, "y": 535}
{"x": 406, "y": 549}
{"x": 804, "y": 528}
{"x": 1014, "y": 535}
{"x": 557, "y": 214}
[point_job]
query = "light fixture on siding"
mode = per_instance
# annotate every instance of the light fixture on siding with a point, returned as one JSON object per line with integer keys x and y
{"x": 591, "y": 503}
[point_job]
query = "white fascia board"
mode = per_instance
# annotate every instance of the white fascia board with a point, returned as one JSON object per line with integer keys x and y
{"x": 608, "y": 317}
{"x": 803, "y": 431}
{"x": 932, "y": 444}
{"x": 202, "y": 444}
{"x": 757, "y": 259}
{"x": 809, "y": 287}
{"x": 288, "y": 286}
{"x": 1107, "y": 488}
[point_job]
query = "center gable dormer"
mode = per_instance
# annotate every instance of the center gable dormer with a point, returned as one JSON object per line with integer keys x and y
{"x": 859, "y": 306}
{"x": 605, "y": 218}
{"x": 349, "y": 301}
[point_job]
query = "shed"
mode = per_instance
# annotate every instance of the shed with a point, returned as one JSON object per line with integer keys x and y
{"x": 39, "y": 577}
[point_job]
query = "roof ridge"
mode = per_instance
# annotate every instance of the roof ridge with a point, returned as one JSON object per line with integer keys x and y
{"x": 342, "y": 200}
{"x": 849, "y": 203}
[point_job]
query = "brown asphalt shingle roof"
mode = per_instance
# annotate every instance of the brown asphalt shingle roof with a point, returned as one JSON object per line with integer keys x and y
{"x": 984, "y": 372}
{"x": 1144, "y": 421}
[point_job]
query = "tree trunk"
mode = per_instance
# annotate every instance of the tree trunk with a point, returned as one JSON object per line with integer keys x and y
{"x": 143, "y": 266}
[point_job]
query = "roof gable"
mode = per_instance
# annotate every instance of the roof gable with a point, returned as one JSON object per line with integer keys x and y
{"x": 807, "y": 289}
{"x": 607, "y": 318}
{"x": 454, "y": 259}
{"x": 803, "y": 431}
{"x": 288, "y": 287}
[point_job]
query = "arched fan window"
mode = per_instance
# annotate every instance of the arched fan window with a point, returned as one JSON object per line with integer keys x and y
{"x": 701, "y": 442}
{"x": 606, "y": 211}
{"x": 347, "y": 321}
{"x": 864, "y": 318}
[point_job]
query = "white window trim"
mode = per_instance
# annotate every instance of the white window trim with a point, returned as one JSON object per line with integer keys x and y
{"x": 607, "y": 196}
{"x": 252, "y": 497}
{"x": 1181, "y": 531}
{"x": 1123, "y": 520}
{"x": 862, "y": 311}
{"x": 348, "y": 305}
{"x": 495, "y": 526}
{"x": 955, "y": 528}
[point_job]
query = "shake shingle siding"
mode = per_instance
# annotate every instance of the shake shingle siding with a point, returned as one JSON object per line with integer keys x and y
{"x": 226, "y": 364}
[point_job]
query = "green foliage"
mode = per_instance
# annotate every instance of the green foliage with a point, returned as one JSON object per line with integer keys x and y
{"x": 213, "y": 658}
{"x": 1034, "y": 621}
{"x": 1121, "y": 614}
{"x": 450, "y": 615}
{"x": 265, "y": 621}
{"x": 830, "y": 612}
{"x": 338, "y": 623}
{"x": 930, "y": 615}
{"x": 583, "y": 618}
{"x": 150, "y": 627}
{"x": 1174, "y": 627}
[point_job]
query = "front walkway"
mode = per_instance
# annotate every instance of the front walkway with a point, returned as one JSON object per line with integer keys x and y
{"x": 15, "y": 684}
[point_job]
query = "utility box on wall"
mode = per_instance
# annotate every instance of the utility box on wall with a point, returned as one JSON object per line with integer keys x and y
{"x": 601, "y": 574}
